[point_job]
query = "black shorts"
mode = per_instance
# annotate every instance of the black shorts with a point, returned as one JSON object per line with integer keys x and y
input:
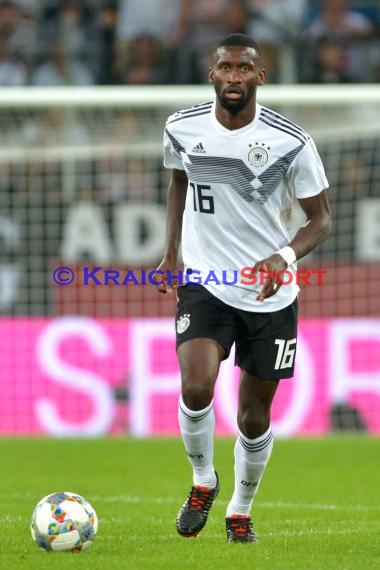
{"x": 265, "y": 343}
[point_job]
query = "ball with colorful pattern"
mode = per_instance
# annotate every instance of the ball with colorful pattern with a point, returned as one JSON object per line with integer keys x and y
{"x": 64, "y": 521}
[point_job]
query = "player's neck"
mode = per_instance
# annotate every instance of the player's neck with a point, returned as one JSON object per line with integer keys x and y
{"x": 231, "y": 121}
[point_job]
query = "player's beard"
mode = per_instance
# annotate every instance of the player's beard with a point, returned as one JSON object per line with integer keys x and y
{"x": 234, "y": 106}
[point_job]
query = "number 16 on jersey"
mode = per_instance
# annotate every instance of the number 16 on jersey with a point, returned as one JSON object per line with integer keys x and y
{"x": 285, "y": 354}
{"x": 202, "y": 201}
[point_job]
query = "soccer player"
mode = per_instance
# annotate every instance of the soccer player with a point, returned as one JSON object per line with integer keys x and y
{"x": 236, "y": 167}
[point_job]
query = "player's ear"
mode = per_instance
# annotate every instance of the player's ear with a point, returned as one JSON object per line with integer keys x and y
{"x": 261, "y": 77}
{"x": 210, "y": 75}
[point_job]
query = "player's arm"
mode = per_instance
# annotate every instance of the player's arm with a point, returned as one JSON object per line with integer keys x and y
{"x": 313, "y": 232}
{"x": 317, "y": 226}
{"x": 176, "y": 199}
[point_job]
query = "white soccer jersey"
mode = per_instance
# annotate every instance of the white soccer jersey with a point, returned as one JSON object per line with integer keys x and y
{"x": 239, "y": 199}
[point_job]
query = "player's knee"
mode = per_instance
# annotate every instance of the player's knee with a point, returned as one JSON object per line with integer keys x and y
{"x": 253, "y": 426}
{"x": 197, "y": 396}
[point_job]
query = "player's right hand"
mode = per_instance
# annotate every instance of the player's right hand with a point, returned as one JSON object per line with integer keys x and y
{"x": 168, "y": 267}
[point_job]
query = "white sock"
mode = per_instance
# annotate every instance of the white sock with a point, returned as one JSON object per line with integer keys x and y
{"x": 197, "y": 429}
{"x": 251, "y": 458}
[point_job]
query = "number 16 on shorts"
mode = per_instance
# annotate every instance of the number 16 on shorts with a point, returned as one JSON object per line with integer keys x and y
{"x": 285, "y": 353}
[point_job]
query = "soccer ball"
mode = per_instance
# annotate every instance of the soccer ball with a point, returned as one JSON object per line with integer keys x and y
{"x": 64, "y": 522}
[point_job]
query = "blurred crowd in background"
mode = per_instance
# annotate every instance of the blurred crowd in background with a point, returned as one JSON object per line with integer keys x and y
{"x": 137, "y": 42}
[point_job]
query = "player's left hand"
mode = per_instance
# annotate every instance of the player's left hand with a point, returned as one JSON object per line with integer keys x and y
{"x": 269, "y": 268}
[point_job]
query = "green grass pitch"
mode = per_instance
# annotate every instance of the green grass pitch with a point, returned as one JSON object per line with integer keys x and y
{"x": 318, "y": 506}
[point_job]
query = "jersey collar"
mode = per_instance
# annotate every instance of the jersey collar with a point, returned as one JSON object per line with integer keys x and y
{"x": 235, "y": 132}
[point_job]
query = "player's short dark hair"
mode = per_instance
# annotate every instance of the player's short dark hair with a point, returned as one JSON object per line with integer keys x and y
{"x": 239, "y": 40}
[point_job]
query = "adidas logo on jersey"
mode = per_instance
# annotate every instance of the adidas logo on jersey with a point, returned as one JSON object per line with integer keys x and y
{"x": 198, "y": 148}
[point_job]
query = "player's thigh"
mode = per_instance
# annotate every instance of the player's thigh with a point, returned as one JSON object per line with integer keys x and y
{"x": 199, "y": 360}
{"x": 200, "y": 315}
{"x": 205, "y": 332}
{"x": 266, "y": 348}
